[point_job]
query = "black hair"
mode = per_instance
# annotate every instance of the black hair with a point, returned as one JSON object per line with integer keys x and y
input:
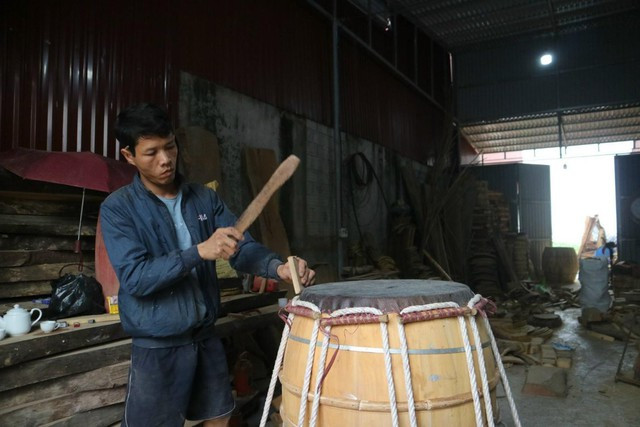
{"x": 139, "y": 121}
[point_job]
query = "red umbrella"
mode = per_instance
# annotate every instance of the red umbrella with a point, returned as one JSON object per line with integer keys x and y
{"x": 84, "y": 170}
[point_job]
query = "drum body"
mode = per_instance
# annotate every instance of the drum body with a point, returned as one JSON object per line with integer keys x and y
{"x": 355, "y": 390}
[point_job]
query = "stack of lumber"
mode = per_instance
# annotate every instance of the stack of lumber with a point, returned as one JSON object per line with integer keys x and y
{"x": 38, "y": 232}
{"x": 78, "y": 375}
{"x": 72, "y": 376}
{"x": 518, "y": 245}
{"x": 500, "y": 212}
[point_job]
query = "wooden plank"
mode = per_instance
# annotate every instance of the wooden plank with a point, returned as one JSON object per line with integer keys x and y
{"x": 260, "y": 164}
{"x": 25, "y": 289}
{"x": 99, "y": 417}
{"x": 46, "y": 207}
{"x": 97, "y": 379}
{"x": 33, "y": 242}
{"x": 76, "y": 196}
{"x": 47, "y": 225}
{"x": 38, "y": 272}
{"x": 19, "y": 258}
{"x": 49, "y": 368}
{"x": 36, "y": 344}
{"x": 55, "y": 408}
{"x": 199, "y": 154}
{"x": 91, "y": 318}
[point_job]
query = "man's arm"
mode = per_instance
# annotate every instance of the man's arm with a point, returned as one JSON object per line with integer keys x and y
{"x": 139, "y": 273}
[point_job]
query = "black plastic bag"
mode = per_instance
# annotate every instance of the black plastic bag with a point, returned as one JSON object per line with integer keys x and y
{"x": 75, "y": 295}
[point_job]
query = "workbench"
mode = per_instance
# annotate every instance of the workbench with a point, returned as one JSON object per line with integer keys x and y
{"x": 77, "y": 375}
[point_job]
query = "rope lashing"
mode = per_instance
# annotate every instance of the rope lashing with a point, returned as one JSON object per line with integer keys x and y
{"x": 498, "y": 358}
{"x": 276, "y": 369}
{"x": 369, "y": 315}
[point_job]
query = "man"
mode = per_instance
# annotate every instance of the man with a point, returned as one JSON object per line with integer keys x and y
{"x": 163, "y": 237}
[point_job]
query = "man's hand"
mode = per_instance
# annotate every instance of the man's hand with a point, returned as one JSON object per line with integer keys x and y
{"x": 223, "y": 243}
{"x": 307, "y": 275}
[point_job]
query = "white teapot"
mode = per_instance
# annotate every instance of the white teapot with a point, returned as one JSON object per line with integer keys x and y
{"x": 17, "y": 321}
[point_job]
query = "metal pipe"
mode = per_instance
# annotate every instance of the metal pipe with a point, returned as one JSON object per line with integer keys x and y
{"x": 336, "y": 137}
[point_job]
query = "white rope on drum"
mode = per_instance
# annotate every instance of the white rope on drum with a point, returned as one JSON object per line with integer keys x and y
{"x": 276, "y": 369}
{"x": 483, "y": 372}
{"x": 307, "y": 373}
{"x": 407, "y": 375}
{"x": 503, "y": 374}
{"x": 323, "y": 357}
{"x": 481, "y": 363}
{"x": 425, "y": 307}
{"x": 389, "y": 372}
{"x": 472, "y": 372}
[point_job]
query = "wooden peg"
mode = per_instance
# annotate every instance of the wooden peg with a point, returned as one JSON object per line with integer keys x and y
{"x": 295, "y": 276}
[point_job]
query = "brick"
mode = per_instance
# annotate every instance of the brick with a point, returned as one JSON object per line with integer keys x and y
{"x": 546, "y": 381}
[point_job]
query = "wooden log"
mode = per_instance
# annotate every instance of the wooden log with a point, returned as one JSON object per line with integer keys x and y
{"x": 55, "y": 408}
{"x": 38, "y": 272}
{"x": 91, "y": 197}
{"x": 46, "y": 243}
{"x": 99, "y": 417}
{"x": 19, "y": 258}
{"x": 14, "y": 350}
{"x": 24, "y": 289}
{"x": 16, "y": 206}
{"x": 49, "y": 368}
{"x": 47, "y": 225}
{"x": 98, "y": 379}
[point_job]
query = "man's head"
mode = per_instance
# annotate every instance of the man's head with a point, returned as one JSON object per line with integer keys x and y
{"x": 149, "y": 144}
{"x": 140, "y": 121}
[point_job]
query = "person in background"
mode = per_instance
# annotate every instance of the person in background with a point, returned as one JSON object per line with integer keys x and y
{"x": 163, "y": 236}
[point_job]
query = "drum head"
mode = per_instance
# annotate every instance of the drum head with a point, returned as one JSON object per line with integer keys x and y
{"x": 389, "y": 296}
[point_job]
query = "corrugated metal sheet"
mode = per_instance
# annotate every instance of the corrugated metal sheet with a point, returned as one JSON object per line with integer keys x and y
{"x": 277, "y": 51}
{"x": 66, "y": 71}
{"x": 384, "y": 109}
{"x": 627, "y": 170}
{"x": 466, "y": 22}
{"x": 590, "y": 127}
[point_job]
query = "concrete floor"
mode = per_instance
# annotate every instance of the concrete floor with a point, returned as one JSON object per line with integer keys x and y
{"x": 594, "y": 398}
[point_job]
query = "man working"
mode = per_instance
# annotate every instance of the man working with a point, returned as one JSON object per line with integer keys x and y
{"x": 163, "y": 236}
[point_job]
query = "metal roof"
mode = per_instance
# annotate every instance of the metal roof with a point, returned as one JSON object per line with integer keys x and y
{"x": 578, "y": 128}
{"x": 463, "y": 25}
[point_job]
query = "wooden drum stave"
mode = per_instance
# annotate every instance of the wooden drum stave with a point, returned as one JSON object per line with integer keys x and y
{"x": 355, "y": 389}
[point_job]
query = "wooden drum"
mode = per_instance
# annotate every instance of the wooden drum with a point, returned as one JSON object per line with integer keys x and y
{"x": 359, "y": 367}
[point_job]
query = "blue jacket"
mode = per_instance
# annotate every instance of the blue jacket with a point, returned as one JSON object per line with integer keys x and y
{"x": 154, "y": 299}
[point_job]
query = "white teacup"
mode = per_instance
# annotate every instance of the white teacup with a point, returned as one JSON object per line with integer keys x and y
{"x": 49, "y": 326}
{"x": 3, "y": 333}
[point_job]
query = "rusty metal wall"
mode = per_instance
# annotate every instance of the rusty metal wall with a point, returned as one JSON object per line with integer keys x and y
{"x": 383, "y": 109}
{"x": 67, "y": 68}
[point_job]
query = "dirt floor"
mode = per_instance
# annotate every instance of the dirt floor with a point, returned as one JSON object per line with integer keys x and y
{"x": 594, "y": 398}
